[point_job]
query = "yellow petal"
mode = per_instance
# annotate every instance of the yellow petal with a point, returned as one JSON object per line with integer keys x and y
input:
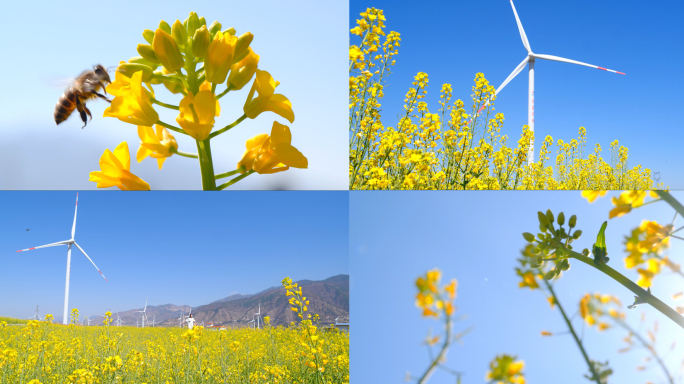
{"x": 122, "y": 154}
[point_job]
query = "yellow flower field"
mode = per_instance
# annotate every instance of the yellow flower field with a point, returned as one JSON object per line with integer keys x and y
{"x": 41, "y": 352}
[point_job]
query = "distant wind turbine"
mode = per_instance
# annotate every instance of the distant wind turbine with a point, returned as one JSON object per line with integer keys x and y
{"x": 65, "y": 317}
{"x": 529, "y": 60}
{"x": 144, "y": 314}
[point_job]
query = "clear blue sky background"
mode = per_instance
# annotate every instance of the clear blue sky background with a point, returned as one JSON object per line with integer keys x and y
{"x": 302, "y": 44}
{"x": 453, "y": 40}
{"x": 476, "y": 237}
{"x": 171, "y": 247}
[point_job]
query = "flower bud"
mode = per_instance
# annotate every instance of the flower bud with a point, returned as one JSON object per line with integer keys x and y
{"x": 585, "y": 252}
{"x": 565, "y": 264}
{"x": 174, "y": 87}
{"x": 193, "y": 23}
{"x": 164, "y": 26}
{"x": 179, "y": 33}
{"x": 148, "y": 35}
{"x": 230, "y": 31}
{"x": 549, "y": 216}
{"x": 242, "y": 46}
{"x": 537, "y": 261}
{"x": 140, "y": 60}
{"x": 576, "y": 235}
{"x": 202, "y": 21}
{"x": 550, "y": 274}
{"x": 543, "y": 220}
{"x": 200, "y": 42}
{"x": 214, "y": 27}
{"x": 573, "y": 221}
{"x": 128, "y": 69}
{"x": 157, "y": 77}
{"x": 147, "y": 52}
{"x": 561, "y": 218}
{"x": 243, "y": 71}
{"x": 528, "y": 236}
{"x": 167, "y": 51}
{"x": 219, "y": 58}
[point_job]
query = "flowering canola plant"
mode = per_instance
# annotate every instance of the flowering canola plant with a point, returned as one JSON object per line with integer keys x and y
{"x": 192, "y": 59}
{"x": 452, "y": 149}
{"x": 45, "y": 353}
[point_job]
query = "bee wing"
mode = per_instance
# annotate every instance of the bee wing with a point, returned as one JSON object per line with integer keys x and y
{"x": 58, "y": 82}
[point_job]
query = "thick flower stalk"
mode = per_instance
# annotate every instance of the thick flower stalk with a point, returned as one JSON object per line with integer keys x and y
{"x": 192, "y": 59}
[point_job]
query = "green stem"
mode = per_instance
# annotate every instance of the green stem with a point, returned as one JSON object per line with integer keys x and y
{"x": 234, "y": 180}
{"x": 672, "y": 201}
{"x": 227, "y": 127}
{"x": 184, "y": 154}
{"x": 171, "y": 127}
{"x": 629, "y": 284}
{"x": 206, "y": 165}
{"x": 222, "y": 175}
{"x": 441, "y": 357}
{"x": 572, "y": 331}
{"x": 169, "y": 106}
{"x": 647, "y": 346}
{"x": 219, "y": 96}
{"x": 213, "y": 88}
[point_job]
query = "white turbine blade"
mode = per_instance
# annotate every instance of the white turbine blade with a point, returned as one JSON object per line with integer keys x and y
{"x": 86, "y": 255}
{"x": 73, "y": 228}
{"x": 513, "y": 74}
{"x": 47, "y": 245}
{"x": 523, "y": 36}
{"x": 564, "y": 60}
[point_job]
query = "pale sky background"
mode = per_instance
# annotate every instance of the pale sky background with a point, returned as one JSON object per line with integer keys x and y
{"x": 476, "y": 238}
{"x": 171, "y": 247}
{"x": 303, "y": 45}
{"x": 451, "y": 41}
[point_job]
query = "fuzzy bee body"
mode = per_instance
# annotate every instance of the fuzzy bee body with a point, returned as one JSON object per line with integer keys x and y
{"x": 84, "y": 88}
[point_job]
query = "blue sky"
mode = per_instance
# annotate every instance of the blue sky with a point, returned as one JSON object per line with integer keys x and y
{"x": 453, "y": 40}
{"x": 171, "y": 247}
{"x": 475, "y": 237}
{"x": 302, "y": 44}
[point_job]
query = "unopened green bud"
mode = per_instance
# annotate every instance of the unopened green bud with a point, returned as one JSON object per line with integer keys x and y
{"x": 537, "y": 261}
{"x": 549, "y": 216}
{"x": 143, "y": 61}
{"x": 576, "y": 235}
{"x": 193, "y": 23}
{"x": 202, "y": 21}
{"x": 573, "y": 221}
{"x": 128, "y": 69}
{"x": 215, "y": 27}
{"x": 528, "y": 236}
{"x": 242, "y": 45}
{"x": 173, "y": 86}
{"x": 179, "y": 33}
{"x": 230, "y": 31}
{"x": 585, "y": 251}
{"x": 147, "y": 52}
{"x": 561, "y": 218}
{"x": 543, "y": 220}
{"x": 565, "y": 264}
{"x": 148, "y": 35}
{"x": 164, "y": 26}
{"x": 535, "y": 250}
{"x": 550, "y": 274}
{"x": 200, "y": 42}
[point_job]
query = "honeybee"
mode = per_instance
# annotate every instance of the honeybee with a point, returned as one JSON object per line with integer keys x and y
{"x": 84, "y": 87}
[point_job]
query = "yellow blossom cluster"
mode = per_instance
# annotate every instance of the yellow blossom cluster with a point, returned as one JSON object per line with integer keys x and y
{"x": 455, "y": 149}
{"x": 594, "y": 307}
{"x": 41, "y": 352}
{"x": 506, "y": 369}
{"x": 192, "y": 59}
{"x": 432, "y": 299}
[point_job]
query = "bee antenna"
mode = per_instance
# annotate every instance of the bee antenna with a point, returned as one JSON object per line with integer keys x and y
{"x": 112, "y": 68}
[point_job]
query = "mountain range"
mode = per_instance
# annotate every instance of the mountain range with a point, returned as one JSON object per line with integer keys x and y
{"x": 328, "y": 298}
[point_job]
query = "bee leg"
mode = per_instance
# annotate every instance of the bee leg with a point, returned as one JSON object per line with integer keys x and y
{"x": 87, "y": 111}
{"x": 82, "y": 111}
{"x": 101, "y": 96}
{"x": 104, "y": 89}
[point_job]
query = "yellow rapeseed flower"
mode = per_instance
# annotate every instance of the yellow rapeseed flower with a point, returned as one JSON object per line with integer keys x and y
{"x": 132, "y": 103}
{"x": 160, "y": 145}
{"x": 115, "y": 171}
{"x": 591, "y": 196}
{"x": 197, "y": 112}
{"x": 219, "y": 57}
{"x": 272, "y": 154}
{"x": 268, "y": 100}
{"x": 243, "y": 71}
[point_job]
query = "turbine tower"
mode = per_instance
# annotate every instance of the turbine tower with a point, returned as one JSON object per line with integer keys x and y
{"x": 118, "y": 320}
{"x": 68, "y": 243}
{"x": 144, "y": 313}
{"x": 258, "y": 317}
{"x": 530, "y": 60}
{"x": 36, "y": 316}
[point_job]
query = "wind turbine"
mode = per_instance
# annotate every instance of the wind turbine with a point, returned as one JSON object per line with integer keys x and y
{"x": 258, "y": 317}
{"x": 137, "y": 322}
{"x": 35, "y": 316}
{"x": 118, "y": 320}
{"x": 65, "y": 317}
{"x": 144, "y": 314}
{"x": 154, "y": 320}
{"x": 180, "y": 320}
{"x": 529, "y": 60}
